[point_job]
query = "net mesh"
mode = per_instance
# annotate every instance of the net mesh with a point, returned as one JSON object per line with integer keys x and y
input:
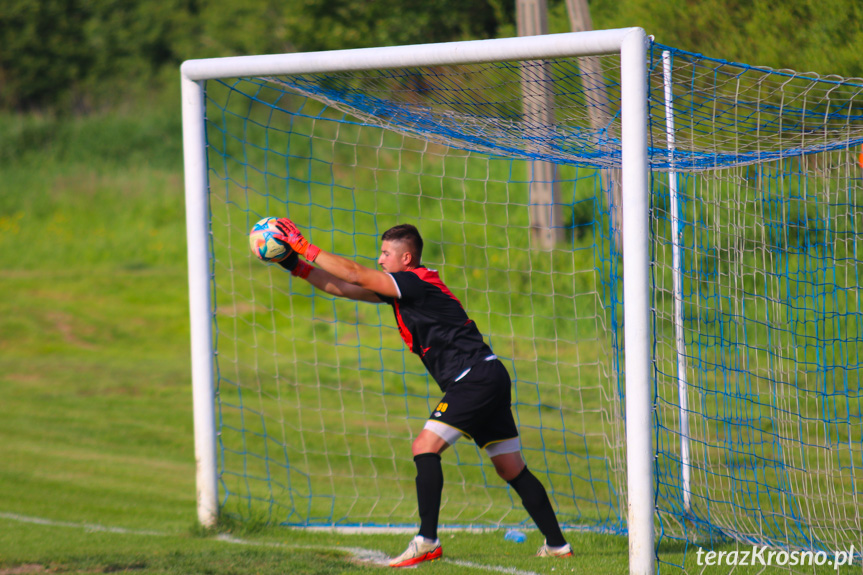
{"x": 768, "y": 183}
{"x": 319, "y": 401}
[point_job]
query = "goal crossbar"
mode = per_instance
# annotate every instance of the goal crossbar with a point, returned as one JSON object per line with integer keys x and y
{"x": 449, "y": 53}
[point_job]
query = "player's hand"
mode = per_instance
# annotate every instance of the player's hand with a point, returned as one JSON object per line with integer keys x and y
{"x": 297, "y": 268}
{"x": 292, "y": 236}
{"x": 290, "y": 262}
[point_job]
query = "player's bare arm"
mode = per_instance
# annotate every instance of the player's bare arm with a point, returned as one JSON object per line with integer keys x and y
{"x": 335, "y": 274}
{"x": 357, "y": 275}
{"x": 324, "y": 280}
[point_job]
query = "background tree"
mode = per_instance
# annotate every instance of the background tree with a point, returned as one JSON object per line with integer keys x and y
{"x": 80, "y": 55}
{"x": 44, "y": 51}
{"x": 60, "y": 53}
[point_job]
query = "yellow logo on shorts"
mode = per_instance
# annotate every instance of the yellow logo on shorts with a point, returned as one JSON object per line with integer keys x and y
{"x": 441, "y": 407}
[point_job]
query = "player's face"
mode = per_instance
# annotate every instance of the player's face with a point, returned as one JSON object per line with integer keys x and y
{"x": 394, "y": 257}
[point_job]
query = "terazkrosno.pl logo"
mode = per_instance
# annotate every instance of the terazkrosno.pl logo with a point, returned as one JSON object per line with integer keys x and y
{"x": 765, "y": 556}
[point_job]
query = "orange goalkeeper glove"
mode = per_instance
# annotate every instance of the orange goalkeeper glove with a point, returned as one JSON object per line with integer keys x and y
{"x": 292, "y": 236}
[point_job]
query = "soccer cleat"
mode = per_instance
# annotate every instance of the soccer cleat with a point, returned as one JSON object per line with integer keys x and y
{"x": 548, "y": 551}
{"x": 420, "y": 549}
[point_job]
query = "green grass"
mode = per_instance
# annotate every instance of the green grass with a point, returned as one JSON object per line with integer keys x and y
{"x": 96, "y": 445}
{"x": 96, "y": 419}
{"x": 28, "y": 547}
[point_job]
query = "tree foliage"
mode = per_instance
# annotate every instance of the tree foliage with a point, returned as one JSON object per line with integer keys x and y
{"x": 59, "y": 52}
{"x": 42, "y": 51}
{"x": 269, "y": 26}
{"x": 822, "y": 36}
{"x": 70, "y": 54}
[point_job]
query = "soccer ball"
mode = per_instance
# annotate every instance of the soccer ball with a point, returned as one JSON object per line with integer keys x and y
{"x": 264, "y": 245}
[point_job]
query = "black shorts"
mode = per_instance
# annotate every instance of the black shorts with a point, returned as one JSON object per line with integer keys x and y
{"x": 479, "y": 405}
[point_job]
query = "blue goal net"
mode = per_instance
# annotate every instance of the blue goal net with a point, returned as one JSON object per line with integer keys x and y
{"x": 511, "y": 171}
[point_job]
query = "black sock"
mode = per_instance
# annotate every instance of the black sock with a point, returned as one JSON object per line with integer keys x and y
{"x": 429, "y": 487}
{"x": 535, "y": 500}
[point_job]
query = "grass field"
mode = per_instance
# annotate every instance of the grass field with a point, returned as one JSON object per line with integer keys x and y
{"x": 95, "y": 422}
{"x": 96, "y": 445}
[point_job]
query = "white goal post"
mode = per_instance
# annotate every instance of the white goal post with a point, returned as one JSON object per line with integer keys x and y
{"x": 630, "y": 43}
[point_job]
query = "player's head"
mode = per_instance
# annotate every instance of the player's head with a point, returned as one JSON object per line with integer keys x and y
{"x": 401, "y": 248}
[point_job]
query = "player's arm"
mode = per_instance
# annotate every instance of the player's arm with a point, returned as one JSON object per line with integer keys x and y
{"x": 326, "y": 281}
{"x": 357, "y": 275}
{"x": 336, "y": 275}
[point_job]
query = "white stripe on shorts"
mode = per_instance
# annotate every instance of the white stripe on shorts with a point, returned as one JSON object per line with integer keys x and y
{"x": 444, "y": 431}
{"x": 506, "y": 446}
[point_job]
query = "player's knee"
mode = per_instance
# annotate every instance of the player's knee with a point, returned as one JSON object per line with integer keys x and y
{"x": 509, "y": 468}
{"x": 417, "y": 447}
{"x": 503, "y": 474}
{"x": 427, "y": 443}
{"x": 508, "y": 474}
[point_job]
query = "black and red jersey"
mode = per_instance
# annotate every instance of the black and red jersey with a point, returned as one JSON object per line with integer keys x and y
{"x": 434, "y": 325}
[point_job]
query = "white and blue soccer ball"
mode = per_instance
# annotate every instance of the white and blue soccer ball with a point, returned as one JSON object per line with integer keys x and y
{"x": 264, "y": 245}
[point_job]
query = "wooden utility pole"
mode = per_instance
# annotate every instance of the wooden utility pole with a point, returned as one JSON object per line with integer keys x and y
{"x": 593, "y": 83}
{"x": 546, "y": 222}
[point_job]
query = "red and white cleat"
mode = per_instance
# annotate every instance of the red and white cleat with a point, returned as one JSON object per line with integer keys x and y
{"x": 547, "y": 551}
{"x": 420, "y": 549}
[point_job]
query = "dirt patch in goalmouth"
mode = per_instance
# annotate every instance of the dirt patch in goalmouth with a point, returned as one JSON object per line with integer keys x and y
{"x": 23, "y": 569}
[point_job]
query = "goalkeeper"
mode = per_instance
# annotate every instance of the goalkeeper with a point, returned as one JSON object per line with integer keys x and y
{"x": 476, "y": 385}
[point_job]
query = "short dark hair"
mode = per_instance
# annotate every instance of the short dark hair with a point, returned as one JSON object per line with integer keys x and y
{"x": 408, "y": 234}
